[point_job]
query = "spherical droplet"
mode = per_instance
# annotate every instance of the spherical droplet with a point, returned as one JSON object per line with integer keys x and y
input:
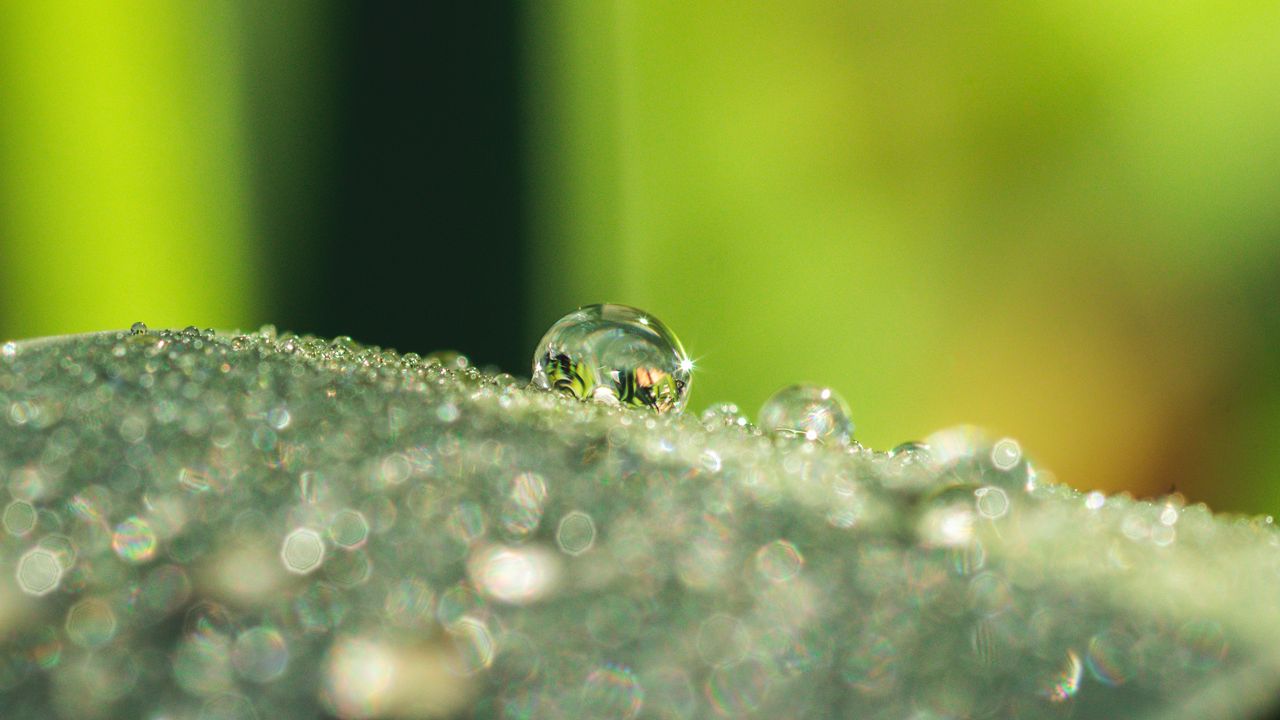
{"x": 808, "y": 411}
{"x": 134, "y": 540}
{"x": 513, "y": 575}
{"x": 724, "y": 414}
{"x": 19, "y": 518}
{"x": 614, "y": 354}
{"x": 91, "y": 623}
{"x": 522, "y": 508}
{"x": 576, "y": 533}
{"x": 138, "y": 328}
{"x": 39, "y": 571}
{"x": 303, "y": 551}
{"x": 779, "y": 560}
{"x": 260, "y": 655}
{"x": 612, "y": 691}
{"x": 349, "y": 529}
{"x": 1006, "y": 453}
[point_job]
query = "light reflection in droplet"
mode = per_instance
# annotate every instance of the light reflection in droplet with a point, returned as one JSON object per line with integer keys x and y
{"x": 134, "y": 540}
{"x": 19, "y": 518}
{"x": 513, "y": 575}
{"x": 1065, "y": 683}
{"x": 91, "y": 623}
{"x": 348, "y": 529}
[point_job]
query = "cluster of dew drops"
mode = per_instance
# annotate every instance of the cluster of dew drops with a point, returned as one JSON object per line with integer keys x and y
{"x": 620, "y": 355}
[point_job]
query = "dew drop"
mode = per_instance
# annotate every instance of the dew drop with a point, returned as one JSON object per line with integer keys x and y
{"x": 91, "y": 623}
{"x": 134, "y": 540}
{"x": 576, "y": 533}
{"x": 808, "y": 411}
{"x": 303, "y": 551}
{"x": 612, "y": 691}
{"x": 260, "y": 655}
{"x": 724, "y": 414}
{"x": 138, "y": 328}
{"x": 614, "y": 354}
{"x": 451, "y": 359}
{"x": 39, "y": 571}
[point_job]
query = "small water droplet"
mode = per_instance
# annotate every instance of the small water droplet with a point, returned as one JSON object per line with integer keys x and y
{"x": 812, "y": 412}
{"x": 191, "y": 331}
{"x": 451, "y": 359}
{"x": 138, "y": 328}
{"x": 1006, "y": 453}
{"x": 910, "y": 456}
{"x": 724, "y": 414}
{"x": 614, "y": 354}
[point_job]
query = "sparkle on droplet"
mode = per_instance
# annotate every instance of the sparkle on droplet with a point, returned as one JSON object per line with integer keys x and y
{"x": 1095, "y": 500}
{"x": 614, "y": 354}
{"x": 812, "y": 412}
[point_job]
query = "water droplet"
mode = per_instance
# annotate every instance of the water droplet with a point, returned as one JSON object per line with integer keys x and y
{"x": 1095, "y": 500}
{"x": 614, "y": 354}
{"x": 779, "y": 560}
{"x": 19, "y": 518}
{"x": 9, "y": 349}
{"x": 91, "y": 623}
{"x": 1111, "y": 658}
{"x": 138, "y": 328}
{"x": 514, "y": 575}
{"x": 1006, "y": 453}
{"x": 522, "y": 508}
{"x": 451, "y": 359}
{"x": 808, "y": 411}
{"x": 191, "y": 331}
{"x": 303, "y": 551}
{"x": 724, "y": 414}
{"x": 349, "y": 529}
{"x": 576, "y": 533}
{"x": 134, "y": 540}
{"x": 39, "y": 571}
{"x": 260, "y": 655}
{"x": 1065, "y": 682}
{"x": 474, "y": 646}
{"x": 992, "y": 502}
{"x": 613, "y": 692}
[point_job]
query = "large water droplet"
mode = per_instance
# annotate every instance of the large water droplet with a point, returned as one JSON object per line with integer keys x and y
{"x": 809, "y": 411}
{"x": 614, "y": 354}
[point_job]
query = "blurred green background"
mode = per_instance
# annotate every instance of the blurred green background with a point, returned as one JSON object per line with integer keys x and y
{"x": 1056, "y": 219}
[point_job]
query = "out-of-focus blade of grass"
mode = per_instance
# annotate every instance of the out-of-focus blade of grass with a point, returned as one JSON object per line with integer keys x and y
{"x": 123, "y": 188}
